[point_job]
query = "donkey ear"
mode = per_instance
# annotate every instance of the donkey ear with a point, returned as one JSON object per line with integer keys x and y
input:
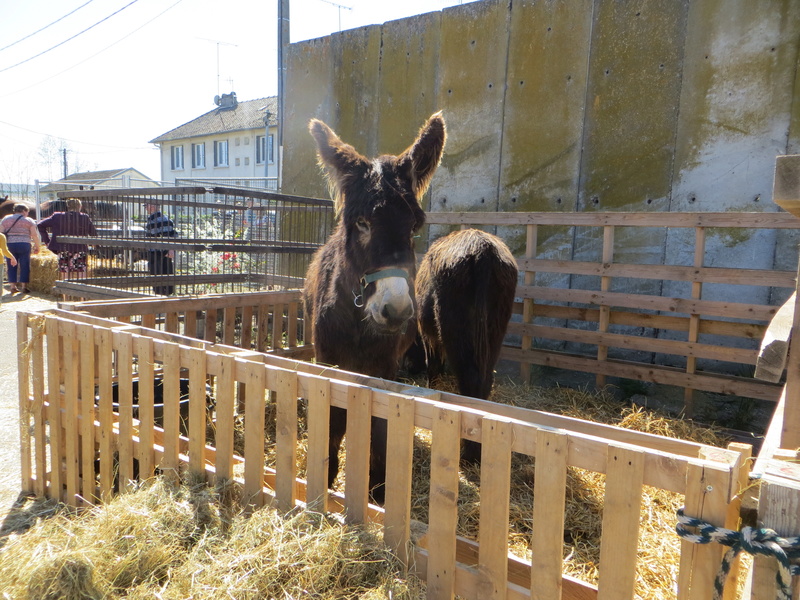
{"x": 425, "y": 153}
{"x": 332, "y": 152}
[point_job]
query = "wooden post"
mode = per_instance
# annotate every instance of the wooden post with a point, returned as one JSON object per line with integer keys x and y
{"x": 694, "y": 320}
{"x": 786, "y": 194}
{"x": 527, "y": 303}
{"x": 605, "y": 311}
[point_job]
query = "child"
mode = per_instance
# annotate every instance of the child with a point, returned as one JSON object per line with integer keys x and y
{"x": 7, "y": 253}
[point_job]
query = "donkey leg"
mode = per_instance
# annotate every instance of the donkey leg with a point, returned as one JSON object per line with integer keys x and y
{"x": 338, "y": 426}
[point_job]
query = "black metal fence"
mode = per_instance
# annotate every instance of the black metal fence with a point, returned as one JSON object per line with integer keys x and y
{"x": 228, "y": 240}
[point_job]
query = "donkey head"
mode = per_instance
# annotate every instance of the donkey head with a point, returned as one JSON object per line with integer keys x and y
{"x": 378, "y": 204}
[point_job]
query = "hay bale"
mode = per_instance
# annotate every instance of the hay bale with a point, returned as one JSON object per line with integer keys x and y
{"x": 44, "y": 271}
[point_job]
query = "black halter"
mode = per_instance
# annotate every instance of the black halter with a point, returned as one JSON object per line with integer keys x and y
{"x": 385, "y": 273}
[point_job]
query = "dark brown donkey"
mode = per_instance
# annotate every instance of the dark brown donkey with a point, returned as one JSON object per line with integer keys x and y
{"x": 465, "y": 290}
{"x": 359, "y": 291}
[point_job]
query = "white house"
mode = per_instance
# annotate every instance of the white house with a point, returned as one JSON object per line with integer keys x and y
{"x": 232, "y": 142}
{"x": 90, "y": 180}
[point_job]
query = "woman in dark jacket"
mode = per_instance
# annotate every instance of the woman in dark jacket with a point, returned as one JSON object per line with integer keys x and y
{"x": 72, "y": 223}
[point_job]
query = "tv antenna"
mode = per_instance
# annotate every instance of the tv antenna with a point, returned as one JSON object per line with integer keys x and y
{"x": 219, "y": 43}
{"x": 340, "y": 7}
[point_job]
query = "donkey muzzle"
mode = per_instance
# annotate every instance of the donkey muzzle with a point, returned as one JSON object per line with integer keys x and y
{"x": 391, "y": 305}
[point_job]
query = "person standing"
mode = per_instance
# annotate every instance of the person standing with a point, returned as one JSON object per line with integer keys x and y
{"x": 22, "y": 235}
{"x": 160, "y": 261}
{"x": 71, "y": 255}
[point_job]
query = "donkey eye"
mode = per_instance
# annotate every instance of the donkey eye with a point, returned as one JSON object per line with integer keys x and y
{"x": 362, "y": 224}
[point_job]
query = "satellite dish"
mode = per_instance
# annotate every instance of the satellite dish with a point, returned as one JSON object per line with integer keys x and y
{"x": 216, "y": 100}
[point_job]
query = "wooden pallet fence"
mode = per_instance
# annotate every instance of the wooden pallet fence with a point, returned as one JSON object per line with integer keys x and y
{"x": 261, "y": 321}
{"x": 83, "y": 451}
{"x": 723, "y": 333}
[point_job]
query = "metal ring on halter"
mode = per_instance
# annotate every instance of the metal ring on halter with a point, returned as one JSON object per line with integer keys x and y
{"x": 358, "y": 299}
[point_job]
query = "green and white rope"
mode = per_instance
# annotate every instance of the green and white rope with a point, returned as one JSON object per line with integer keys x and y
{"x": 753, "y": 541}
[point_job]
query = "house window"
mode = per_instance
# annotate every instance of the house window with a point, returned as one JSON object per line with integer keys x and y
{"x": 264, "y": 148}
{"x": 237, "y": 162}
{"x": 177, "y": 158}
{"x": 221, "y": 154}
{"x": 198, "y": 156}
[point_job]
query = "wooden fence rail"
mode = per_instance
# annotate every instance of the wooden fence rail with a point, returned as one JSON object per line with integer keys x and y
{"x": 87, "y": 358}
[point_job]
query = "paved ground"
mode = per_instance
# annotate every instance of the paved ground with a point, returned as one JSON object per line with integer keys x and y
{"x": 9, "y": 404}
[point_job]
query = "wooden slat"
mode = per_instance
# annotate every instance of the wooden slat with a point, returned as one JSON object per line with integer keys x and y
{"x": 254, "y": 416}
{"x": 715, "y": 308}
{"x": 261, "y": 339}
{"x": 229, "y": 325}
{"x": 25, "y": 399}
{"x": 247, "y": 327}
{"x": 210, "y": 333}
{"x": 443, "y": 510}
{"x": 123, "y": 343}
{"x": 635, "y": 342}
{"x": 731, "y": 276}
{"x": 149, "y": 320}
{"x": 605, "y": 286}
{"x": 143, "y": 347}
{"x": 171, "y": 322}
{"x": 694, "y": 319}
{"x": 36, "y": 359}
{"x": 529, "y": 277}
{"x": 720, "y": 384}
{"x": 621, "y": 513}
{"x": 291, "y": 326}
{"x": 197, "y": 409}
{"x": 286, "y": 440}
{"x": 71, "y": 441}
{"x": 399, "y": 460}
{"x": 54, "y": 372}
{"x": 171, "y": 376}
{"x": 225, "y": 404}
{"x": 87, "y": 380}
{"x": 357, "y": 453}
{"x": 496, "y": 439}
{"x": 754, "y": 220}
{"x": 105, "y": 411}
{"x": 318, "y": 435}
{"x": 190, "y": 323}
{"x": 277, "y": 327}
{"x": 548, "y": 515}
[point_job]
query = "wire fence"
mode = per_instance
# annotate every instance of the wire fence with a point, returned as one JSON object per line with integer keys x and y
{"x": 226, "y": 240}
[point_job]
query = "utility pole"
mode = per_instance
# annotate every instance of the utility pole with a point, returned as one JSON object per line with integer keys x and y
{"x": 64, "y": 154}
{"x": 283, "y": 44}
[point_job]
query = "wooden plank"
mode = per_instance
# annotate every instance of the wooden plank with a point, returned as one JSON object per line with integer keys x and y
{"x": 720, "y": 384}
{"x": 197, "y": 410}
{"x": 750, "y": 220}
{"x": 87, "y": 379}
{"x": 105, "y": 411}
{"x": 634, "y": 342}
{"x": 734, "y": 310}
{"x": 706, "y": 499}
{"x": 779, "y": 510}
{"x": 286, "y": 440}
{"x": 170, "y": 464}
{"x": 318, "y": 434}
{"x": 443, "y": 509}
{"x": 247, "y": 327}
{"x": 228, "y": 325}
{"x": 123, "y": 343}
{"x": 54, "y": 372}
{"x": 399, "y": 460}
{"x": 210, "y": 333}
{"x": 277, "y": 327}
{"x": 733, "y": 521}
{"x": 35, "y": 407}
{"x": 650, "y": 320}
{"x": 71, "y": 367}
{"x": 694, "y": 319}
{"x": 605, "y": 286}
{"x": 496, "y": 438}
{"x": 549, "y": 489}
{"x": 254, "y": 417}
{"x": 149, "y": 320}
{"x": 143, "y": 347}
{"x": 263, "y": 317}
{"x": 733, "y": 276}
{"x": 225, "y": 405}
{"x": 357, "y": 453}
{"x": 171, "y": 322}
{"x": 775, "y": 343}
{"x": 529, "y": 277}
{"x": 190, "y": 323}
{"x": 25, "y": 400}
{"x": 790, "y": 433}
{"x": 621, "y": 512}
{"x": 291, "y": 326}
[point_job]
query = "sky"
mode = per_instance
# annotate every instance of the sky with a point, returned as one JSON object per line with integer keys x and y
{"x": 103, "y": 77}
